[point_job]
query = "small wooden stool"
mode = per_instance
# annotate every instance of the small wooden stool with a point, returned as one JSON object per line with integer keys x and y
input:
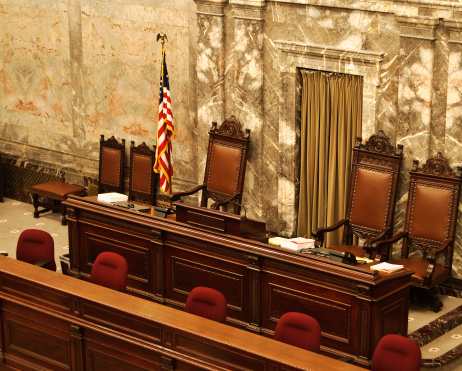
{"x": 58, "y": 191}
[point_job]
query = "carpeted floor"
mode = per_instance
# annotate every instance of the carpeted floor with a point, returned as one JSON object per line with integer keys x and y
{"x": 438, "y": 334}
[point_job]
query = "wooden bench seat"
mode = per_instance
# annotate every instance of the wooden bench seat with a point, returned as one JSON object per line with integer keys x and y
{"x": 57, "y": 191}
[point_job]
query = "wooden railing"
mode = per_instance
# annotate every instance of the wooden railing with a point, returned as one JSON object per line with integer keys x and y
{"x": 50, "y": 321}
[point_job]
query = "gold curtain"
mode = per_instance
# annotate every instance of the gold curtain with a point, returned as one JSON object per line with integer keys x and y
{"x": 331, "y": 114}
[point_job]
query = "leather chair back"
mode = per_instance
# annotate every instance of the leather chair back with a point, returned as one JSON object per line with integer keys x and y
{"x": 143, "y": 179}
{"x": 373, "y": 185}
{"x": 432, "y": 207}
{"x": 371, "y": 199}
{"x": 111, "y": 165}
{"x": 226, "y": 163}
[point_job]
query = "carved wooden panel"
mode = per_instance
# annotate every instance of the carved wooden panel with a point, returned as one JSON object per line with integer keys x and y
{"x": 31, "y": 335}
{"x": 40, "y": 294}
{"x": 207, "y": 351}
{"x": 106, "y": 353}
{"x": 186, "y": 270}
{"x": 337, "y": 318}
{"x": 110, "y": 330}
{"x": 118, "y": 321}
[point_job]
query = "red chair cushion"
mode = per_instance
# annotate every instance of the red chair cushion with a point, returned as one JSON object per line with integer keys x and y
{"x": 208, "y": 303}
{"x": 396, "y": 353}
{"x": 110, "y": 270}
{"x": 35, "y": 245}
{"x": 300, "y": 330}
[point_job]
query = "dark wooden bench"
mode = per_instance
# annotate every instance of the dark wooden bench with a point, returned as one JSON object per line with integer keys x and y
{"x": 57, "y": 191}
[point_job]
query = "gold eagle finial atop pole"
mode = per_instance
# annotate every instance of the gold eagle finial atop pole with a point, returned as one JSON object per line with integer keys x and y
{"x": 161, "y": 36}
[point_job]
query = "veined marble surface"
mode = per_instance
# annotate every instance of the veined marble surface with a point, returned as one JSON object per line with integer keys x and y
{"x": 71, "y": 70}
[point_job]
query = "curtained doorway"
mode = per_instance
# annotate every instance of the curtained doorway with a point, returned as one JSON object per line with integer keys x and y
{"x": 331, "y": 114}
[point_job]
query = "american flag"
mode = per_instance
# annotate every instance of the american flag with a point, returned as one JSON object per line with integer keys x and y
{"x": 165, "y": 131}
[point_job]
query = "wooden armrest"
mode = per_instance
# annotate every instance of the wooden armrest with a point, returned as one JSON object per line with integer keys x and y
{"x": 178, "y": 195}
{"x": 218, "y": 204}
{"x": 318, "y": 234}
{"x": 377, "y": 244}
{"x": 434, "y": 252}
{"x": 379, "y": 237}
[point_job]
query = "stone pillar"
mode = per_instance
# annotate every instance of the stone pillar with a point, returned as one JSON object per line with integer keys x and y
{"x": 422, "y": 87}
{"x": 244, "y": 92}
{"x": 76, "y": 69}
{"x": 453, "y": 132}
{"x": 210, "y": 72}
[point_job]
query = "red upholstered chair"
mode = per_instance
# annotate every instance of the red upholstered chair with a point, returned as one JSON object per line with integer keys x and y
{"x": 110, "y": 270}
{"x": 224, "y": 168}
{"x": 208, "y": 303}
{"x": 396, "y": 353}
{"x": 300, "y": 330}
{"x": 111, "y": 165}
{"x": 371, "y": 199}
{"x": 36, "y": 247}
{"x": 429, "y": 228}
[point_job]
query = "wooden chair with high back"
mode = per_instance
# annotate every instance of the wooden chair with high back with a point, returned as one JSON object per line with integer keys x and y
{"x": 111, "y": 165}
{"x": 371, "y": 198}
{"x": 429, "y": 228}
{"x": 142, "y": 182}
{"x": 225, "y": 167}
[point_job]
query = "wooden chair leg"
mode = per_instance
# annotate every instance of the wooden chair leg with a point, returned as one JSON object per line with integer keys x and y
{"x": 63, "y": 215}
{"x": 36, "y": 205}
{"x": 426, "y": 297}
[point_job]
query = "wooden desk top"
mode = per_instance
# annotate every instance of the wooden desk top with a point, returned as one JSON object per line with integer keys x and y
{"x": 362, "y": 272}
{"x": 16, "y": 276}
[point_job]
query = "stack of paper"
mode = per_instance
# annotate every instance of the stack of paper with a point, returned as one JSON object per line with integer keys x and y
{"x": 297, "y": 243}
{"x": 387, "y": 268}
{"x": 112, "y": 197}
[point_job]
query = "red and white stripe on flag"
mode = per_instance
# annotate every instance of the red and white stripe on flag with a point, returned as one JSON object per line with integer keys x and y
{"x": 165, "y": 132}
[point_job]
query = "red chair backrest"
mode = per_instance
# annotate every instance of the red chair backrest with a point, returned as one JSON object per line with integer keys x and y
{"x": 35, "y": 245}
{"x": 208, "y": 303}
{"x": 396, "y": 353}
{"x": 110, "y": 270}
{"x": 300, "y": 330}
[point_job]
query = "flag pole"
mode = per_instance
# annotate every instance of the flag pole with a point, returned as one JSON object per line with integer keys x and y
{"x": 165, "y": 126}
{"x": 163, "y": 37}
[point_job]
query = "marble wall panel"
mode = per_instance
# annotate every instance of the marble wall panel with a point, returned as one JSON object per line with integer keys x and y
{"x": 71, "y": 70}
{"x": 210, "y": 67}
{"x": 244, "y": 77}
{"x": 121, "y": 59}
